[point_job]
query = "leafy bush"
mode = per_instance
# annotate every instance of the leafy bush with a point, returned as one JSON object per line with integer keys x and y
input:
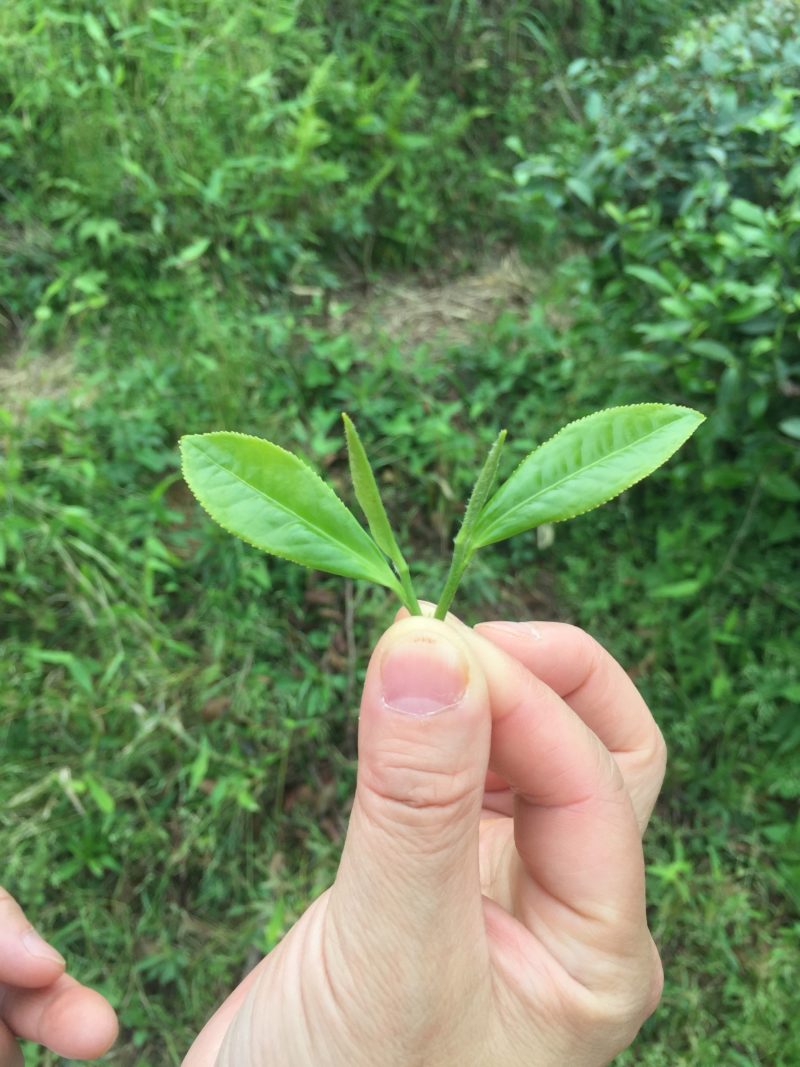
{"x": 262, "y": 144}
{"x": 685, "y": 183}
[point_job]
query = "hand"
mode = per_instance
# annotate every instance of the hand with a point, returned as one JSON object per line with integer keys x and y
{"x": 476, "y": 919}
{"x": 40, "y": 1002}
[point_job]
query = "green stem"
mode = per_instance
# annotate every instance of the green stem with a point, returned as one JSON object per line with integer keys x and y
{"x": 461, "y": 558}
{"x": 404, "y": 575}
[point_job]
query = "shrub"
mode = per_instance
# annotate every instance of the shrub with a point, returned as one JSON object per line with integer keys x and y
{"x": 684, "y": 186}
{"x": 263, "y": 144}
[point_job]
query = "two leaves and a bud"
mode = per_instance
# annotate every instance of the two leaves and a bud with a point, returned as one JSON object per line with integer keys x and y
{"x": 273, "y": 500}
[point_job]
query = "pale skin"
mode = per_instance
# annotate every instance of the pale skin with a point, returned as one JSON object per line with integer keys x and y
{"x": 40, "y": 1001}
{"x": 489, "y": 907}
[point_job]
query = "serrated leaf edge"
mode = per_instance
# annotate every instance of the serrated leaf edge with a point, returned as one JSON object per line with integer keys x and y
{"x": 575, "y": 422}
{"x": 390, "y": 549}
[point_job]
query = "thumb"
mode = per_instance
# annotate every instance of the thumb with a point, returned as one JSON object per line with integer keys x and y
{"x": 410, "y": 863}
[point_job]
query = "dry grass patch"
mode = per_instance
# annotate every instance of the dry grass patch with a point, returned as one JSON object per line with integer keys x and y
{"x": 25, "y": 378}
{"x": 428, "y": 310}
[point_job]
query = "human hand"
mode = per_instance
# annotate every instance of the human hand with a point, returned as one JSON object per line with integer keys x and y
{"x": 477, "y": 918}
{"x": 40, "y": 1002}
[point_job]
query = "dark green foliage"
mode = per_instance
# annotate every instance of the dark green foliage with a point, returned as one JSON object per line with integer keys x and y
{"x": 261, "y": 144}
{"x": 684, "y": 182}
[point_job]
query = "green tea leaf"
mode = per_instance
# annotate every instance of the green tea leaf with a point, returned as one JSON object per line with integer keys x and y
{"x": 481, "y": 489}
{"x": 274, "y": 501}
{"x": 367, "y": 492}
{"x": 369, "y": 497}
{"x": 464, "y": 543}
{"x": 587, "y": 463}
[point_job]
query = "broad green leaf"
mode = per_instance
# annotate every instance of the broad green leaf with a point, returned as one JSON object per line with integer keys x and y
{"x": 587, "y": 463}
{"x": 274, "y": 501}
{"x": 367, "y": 492}
{"x": 749, "y": 212}
{"x": 650, "y": 277}
{"x": 190, "y": 254}
{"x": 791, "y": 427}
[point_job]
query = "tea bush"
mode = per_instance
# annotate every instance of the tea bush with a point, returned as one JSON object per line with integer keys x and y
{"x": 684, "y": 183}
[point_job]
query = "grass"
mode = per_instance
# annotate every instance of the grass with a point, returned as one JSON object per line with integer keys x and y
{"x": 177, "y": 714}
{"x": 148, "y": 716}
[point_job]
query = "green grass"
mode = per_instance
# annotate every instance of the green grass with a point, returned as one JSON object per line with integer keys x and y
{"x": 177, "y": 713}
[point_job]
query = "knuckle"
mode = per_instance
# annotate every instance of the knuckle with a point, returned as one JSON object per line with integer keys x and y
{"x": 408, "y": 787}
{"x": 585, "y": 643}
{"x": 613, "y": 1019}
{"x": 618, "y": 1010}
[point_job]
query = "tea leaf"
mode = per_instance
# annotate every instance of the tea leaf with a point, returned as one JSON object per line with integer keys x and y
{"x": 369, "y": 497}
{"x": 464, "y": 545}
{"x": 481, "y": 489}
{"x": 367, "y": 492}
{"x": 274, "y": 501}
{"x": 587, "y": 463}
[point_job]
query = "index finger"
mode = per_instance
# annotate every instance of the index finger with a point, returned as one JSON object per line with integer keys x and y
{"x": 581, "y": 880}
{"x": 577, "y": 667}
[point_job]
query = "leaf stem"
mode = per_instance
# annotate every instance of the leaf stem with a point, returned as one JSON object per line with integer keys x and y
{"x": 461, "y": 557}
{"x": 410, "y": 597}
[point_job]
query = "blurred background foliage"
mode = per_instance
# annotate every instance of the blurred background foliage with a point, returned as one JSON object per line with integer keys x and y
{"x": 444, "y": 218}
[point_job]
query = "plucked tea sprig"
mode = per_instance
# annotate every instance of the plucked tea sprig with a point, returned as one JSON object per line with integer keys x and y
{"x": 274, "y": 500}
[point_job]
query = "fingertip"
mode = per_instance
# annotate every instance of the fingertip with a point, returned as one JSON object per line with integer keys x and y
{"x": 80, "y": 1024}
{"x": 422, "y": 671}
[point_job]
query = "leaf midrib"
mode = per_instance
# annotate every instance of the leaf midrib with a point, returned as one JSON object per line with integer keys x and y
{"x": 594, "y": 463}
